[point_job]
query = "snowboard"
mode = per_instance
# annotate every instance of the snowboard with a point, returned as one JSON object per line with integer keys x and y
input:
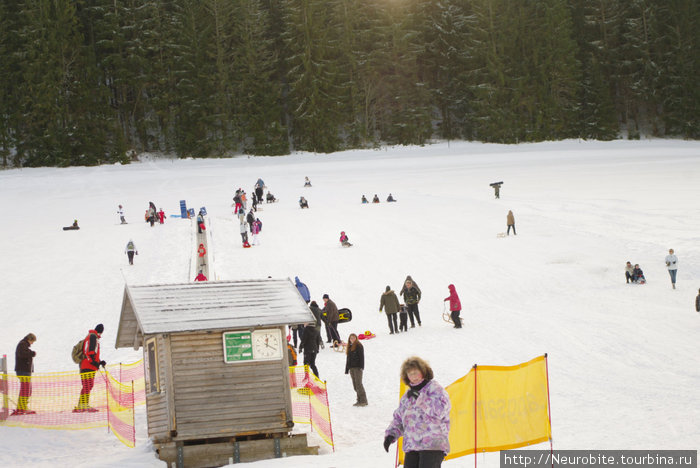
{"x": 344, "y": 315}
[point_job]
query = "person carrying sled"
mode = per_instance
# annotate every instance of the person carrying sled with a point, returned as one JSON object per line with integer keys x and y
{"x": 422, "y": 418}
{"x": 672, "y": 265}
{"x": 344, "y": 239}
{"x": 355, "y": 365}
{"x": 303, "y": 203}
{"x": 130, "y": 251}
{"x": 638, "y": 275}
{"x": 510, "y": 221}
{"x": 88, "y": 366}
{"x": 411, "y": 294}
{"x": 200, "y": 276}
{"x": 24, "y": 366}
{"x": 120, "y": 212}
{"x": 390, "y": 303}
{"x": 330, "y": 311}
{"x": 455, "y": 306}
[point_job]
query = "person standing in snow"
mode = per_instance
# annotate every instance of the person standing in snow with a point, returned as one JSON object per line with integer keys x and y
{"x": 455, "y": 306}
{"x": 411, "y": 294}
{"x": 161, "y": 216}
{"x": 422, "y": 418}
{"x": 250, "y": 219}
{"x": 24, "y": 366}
{"x": 88, "y": 366}
{"x": 390, "y": 303}
{"x": 330, "y": 311}
{"x": 152, "y": 213}
{"x": 259, "y": 186}
{"x": 130, "y": 250}
{"x": 355, "y": 365}
{"x": 316, "y": 311}
{"x": 244, "y": 234}
{"x": 309, "y": 346}
{"x": 629, "y": 271}
{"x": 237, "y": 201}
{"x": 510, "y": 221}
{"x": 120, "y": 212}
{"x": 201, "y": 251}
{"x": 672, "y": 265}
{"x": 255, "y": 231}
{"x": 303, "y": 289}
{"x": 403, "y": 318}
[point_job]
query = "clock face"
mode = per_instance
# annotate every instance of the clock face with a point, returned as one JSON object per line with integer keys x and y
{"x": 267, "y": 344}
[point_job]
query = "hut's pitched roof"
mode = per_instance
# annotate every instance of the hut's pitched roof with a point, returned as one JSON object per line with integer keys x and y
{"x": 215, "y": 305}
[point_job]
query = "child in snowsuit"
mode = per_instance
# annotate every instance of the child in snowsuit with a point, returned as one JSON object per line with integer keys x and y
{"x": 344, "y": 240}
{"x": 200, "y": 276}
{"x": 455, "y": 306}
{"x": 161, "y": 216}
{"x": 638, "y": 275}
{"x": 403, "y": 318}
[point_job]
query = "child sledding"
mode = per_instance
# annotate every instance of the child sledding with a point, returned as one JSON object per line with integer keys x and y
{"x": 344, "y": 240}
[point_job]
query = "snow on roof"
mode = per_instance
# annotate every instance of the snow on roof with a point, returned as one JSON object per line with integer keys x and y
{"x": 213, "y": 305}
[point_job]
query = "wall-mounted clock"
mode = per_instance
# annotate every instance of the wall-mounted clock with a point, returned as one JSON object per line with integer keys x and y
{"x": 267, "y": 344}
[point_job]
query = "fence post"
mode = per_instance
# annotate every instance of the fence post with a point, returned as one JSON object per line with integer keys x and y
{"x": 5, "y": 410}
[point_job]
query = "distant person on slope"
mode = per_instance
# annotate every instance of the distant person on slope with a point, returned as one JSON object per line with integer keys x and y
{"x": 411, "y": 294}
{"x": 375, "y": 199}
{"x": 161, "y": 216}
{"x": 510, "y": 221}
{"x": 455, "y": 306}
{"x": 390, "y": 198}
{"x": 303, "y": 203}
{"x": 629, "y": 272}
{"x": 672, "y": 265}
{"x": 344, "y": 240}
{"x": 130, "y": 251}
{"x": 638, "y": 275}
{"x": 364, "y": 200}
{"x": 120, "y": 212}
{"x": 697, "y": 302}
{"x": 200, "y": 276}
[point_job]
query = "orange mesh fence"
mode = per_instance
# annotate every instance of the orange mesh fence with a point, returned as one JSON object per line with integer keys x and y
{"x": 70, "y": 400}
{"x": 310, "y": 402}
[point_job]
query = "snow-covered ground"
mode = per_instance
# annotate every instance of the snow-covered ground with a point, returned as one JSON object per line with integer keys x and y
{"x": 624, "y": 364}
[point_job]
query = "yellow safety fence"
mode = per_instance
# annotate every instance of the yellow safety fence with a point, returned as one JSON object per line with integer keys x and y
{"x": 70, "y": 400}
{"x": 310, "y": 402}
{"x": 497, "y": 408}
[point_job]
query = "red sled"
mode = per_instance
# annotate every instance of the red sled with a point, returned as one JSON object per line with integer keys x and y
{"x": 202, "y": 227}
{"x": 246, "y": 245}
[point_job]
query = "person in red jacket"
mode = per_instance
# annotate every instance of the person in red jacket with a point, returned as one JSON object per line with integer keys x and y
{"x": 202, "y": 251}
{"x": 200, "y": 276}
{"x": 88, "y": 366}
{"x": 455, "y": 306}
{"x": 161, "y": 216}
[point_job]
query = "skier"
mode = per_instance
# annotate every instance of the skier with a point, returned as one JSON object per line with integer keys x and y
{"x": 510, "y": 221}
{"x": 303, "y": 289}
{"x": 120, "y": 212}
{"x": 130, "y": 251}
{"x": 88, "y": 366}
{"x": 200, "y": 276}
{"x": 455, "y": 306}
{"x": 161, "y": 216}
{"x": 390, "y": 303}
{"x": 355, "y": 365}
{"x": 411, "y": 294}
{"x": 422, "y": 418}
{"x": 375, "y": 199}
{"x": 344, "y": 240}
{"x": 24, "y": 366}
{"x": 303, "y": 203}
{"x": 672, "y": 265}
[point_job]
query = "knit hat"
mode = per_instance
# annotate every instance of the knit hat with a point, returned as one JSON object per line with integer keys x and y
{"x": 325, "y": 296}
{"x": 388, "y": 288}
{"x": 99, "y": 328}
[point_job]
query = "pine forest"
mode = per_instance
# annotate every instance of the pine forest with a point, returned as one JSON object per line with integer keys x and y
{"x": 87, "y": 82}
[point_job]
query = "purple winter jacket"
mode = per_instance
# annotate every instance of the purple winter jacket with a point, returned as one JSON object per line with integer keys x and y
{"x": 424, "y": 422}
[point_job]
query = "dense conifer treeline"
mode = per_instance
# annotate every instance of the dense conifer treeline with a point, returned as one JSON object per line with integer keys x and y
{"x": 84, "y": 82}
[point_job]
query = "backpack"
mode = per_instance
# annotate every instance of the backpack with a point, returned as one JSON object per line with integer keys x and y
{"x": 77, "y": 353}
{"x": 130, "y": 246}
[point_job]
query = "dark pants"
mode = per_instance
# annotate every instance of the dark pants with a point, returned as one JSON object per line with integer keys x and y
{"x": 244, "y": 237}
{"x": 404, "y": 322}
{"x": 413, "y": 312}
{"x": 25, "y": 389}
{"x": 310, "y": 360}
{"x": 299, "y": 330}
{"x": 424, "y": 459}
{"x": 628, "y": 276}
{"x": 356, "y": 376}
{"x": 511, "y": 226}
{"x": 391, "y": 319}
{"x": 88, "y": 380}
{"x": 332, "y": 332}
{"x": 455, "y": 318}
{"x": 130, "y": 254}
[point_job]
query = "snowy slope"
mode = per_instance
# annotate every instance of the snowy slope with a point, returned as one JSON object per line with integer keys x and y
{"x": 624, "y": 361}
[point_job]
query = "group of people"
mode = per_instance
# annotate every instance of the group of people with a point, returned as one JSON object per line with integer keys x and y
{"x": 375, "y": 199}
{"x": 152, "y": 215}
{"x": 634, "y": 274}
{"x": 89, "y": 363}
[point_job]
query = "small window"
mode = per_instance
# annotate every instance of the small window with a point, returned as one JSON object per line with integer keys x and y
{"x": 152, "y": 376}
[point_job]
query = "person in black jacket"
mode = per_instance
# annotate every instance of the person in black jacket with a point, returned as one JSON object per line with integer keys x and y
{"x": 411, "y": 294}
{"x": 24, "y": 366}
{"x": 354, "y": 365}
{"x": 309, "y": 346}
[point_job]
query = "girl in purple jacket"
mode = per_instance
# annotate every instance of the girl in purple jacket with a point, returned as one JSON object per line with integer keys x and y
{"x": 455, "y": 306}
{"x": 422, "y": 418}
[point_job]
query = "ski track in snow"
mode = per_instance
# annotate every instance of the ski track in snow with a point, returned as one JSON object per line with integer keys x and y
{"x": 624, "y": 365}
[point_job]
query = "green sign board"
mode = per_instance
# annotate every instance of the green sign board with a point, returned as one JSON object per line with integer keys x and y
{"x": 238, "y": 346}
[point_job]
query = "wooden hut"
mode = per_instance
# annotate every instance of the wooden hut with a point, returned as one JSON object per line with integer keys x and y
{"x": 216, "y": 368}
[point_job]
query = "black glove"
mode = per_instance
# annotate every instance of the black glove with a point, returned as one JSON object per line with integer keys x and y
{"x": 103, "y": 363}
{"x": 388, "y": 440}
